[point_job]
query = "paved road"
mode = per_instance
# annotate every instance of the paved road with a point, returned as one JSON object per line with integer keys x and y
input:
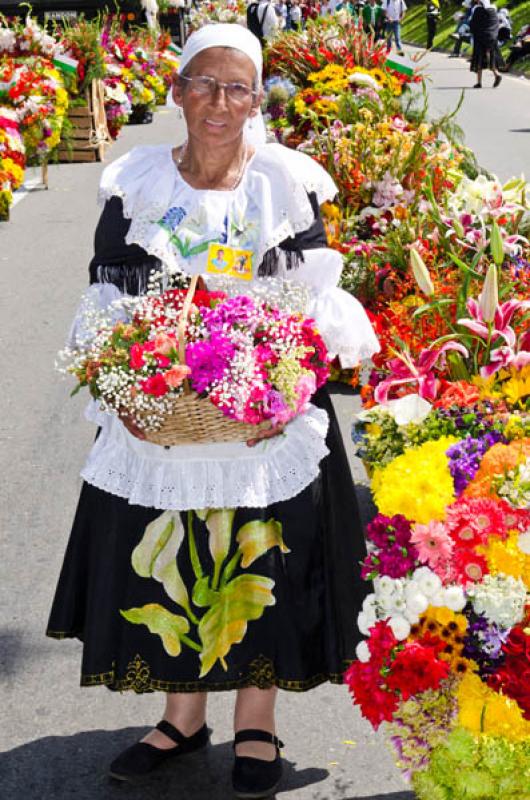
{"x": 56, "y": 739}
{"x": 496, "y": 121}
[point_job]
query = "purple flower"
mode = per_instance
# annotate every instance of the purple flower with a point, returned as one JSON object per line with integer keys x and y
{"x": 209, "y": 360}
{"x": 465, "y": 457}
{"x": 234, "y": 311}
{"x": 483, "y": 643}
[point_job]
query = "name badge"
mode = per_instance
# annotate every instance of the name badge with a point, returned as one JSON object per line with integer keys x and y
{"x": 225, "y": 260}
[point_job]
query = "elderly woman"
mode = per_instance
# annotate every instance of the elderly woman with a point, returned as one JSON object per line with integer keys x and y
{"x": 136, "y": 538}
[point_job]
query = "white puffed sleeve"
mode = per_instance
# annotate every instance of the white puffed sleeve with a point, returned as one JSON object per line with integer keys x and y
{"x": 341, "y": 319}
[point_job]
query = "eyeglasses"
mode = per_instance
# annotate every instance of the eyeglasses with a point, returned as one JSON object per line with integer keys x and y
{"x": 204, "y": 84}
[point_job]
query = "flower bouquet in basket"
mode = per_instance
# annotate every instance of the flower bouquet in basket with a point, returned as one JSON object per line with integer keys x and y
{"x": 196, "y": 366}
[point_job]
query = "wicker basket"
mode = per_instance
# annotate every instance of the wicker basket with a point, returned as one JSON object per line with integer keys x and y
{"x": 195, "y": 420}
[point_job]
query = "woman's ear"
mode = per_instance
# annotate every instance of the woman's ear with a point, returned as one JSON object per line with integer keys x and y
{"x": 256, "y": 105}
{"x": 176, "y": 90}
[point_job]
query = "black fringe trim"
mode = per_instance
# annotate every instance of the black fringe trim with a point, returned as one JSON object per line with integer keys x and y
{"x": 271, "y": 260}
{"x": 129, "y": 279}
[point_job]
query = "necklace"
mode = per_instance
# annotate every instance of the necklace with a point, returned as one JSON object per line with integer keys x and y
{"x": 184, "y": 150}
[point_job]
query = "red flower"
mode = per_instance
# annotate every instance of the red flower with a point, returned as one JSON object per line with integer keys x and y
{"x": 417, "y": 668}
{"x": 513, "y": 677}
{"x": 136, "y": 360}
{"x": 155, "y": 385}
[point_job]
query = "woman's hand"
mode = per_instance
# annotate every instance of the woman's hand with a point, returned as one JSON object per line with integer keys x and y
{"x": 131, "y": 425}
{"x": 268, "y": 433}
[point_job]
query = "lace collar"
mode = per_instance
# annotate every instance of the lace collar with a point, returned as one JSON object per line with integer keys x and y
{"x": 175, "y": 222}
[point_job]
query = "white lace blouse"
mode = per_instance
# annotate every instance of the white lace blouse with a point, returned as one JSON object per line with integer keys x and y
{"x": 175, "y": 222}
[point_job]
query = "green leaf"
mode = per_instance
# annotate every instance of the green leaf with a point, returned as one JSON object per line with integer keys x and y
{"x": 170, "y": 627}
{"x": 225, "y": 624}
{"x": 203, "y": 596}
{"x": 256, "y": 538}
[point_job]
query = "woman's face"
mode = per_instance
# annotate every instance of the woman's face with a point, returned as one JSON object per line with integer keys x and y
{"x": 214, "y": 118}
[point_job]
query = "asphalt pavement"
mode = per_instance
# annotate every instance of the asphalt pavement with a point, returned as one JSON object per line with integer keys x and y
{"x": 496, "y": 122}
{"x": 56, "y": 739}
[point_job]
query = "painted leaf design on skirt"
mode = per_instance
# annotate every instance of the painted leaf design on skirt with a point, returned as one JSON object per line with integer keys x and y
{"x": 156, "y": 555}
{"x": 225, "y": 624}
{"x": 170, "y": 627}
{"x": 256, "y": 538}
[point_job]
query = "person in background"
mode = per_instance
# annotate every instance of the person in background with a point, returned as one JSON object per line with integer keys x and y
{"x": 394, "y": 13}
{"x": 484, "y": 26}
{"x": 505, "y": 25}
{"x": 262, "y": 20}
{"x": 462, "y": 35}
{"x": 373, "y": 18}
{"x": 520, "y": 48}
{"x": 433, "y": 13}
{"x": 296, "y": 16}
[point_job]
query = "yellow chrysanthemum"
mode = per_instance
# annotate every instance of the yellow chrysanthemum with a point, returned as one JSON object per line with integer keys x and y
{"x": 482, "y": 710}
{"x": 417, "y": 483}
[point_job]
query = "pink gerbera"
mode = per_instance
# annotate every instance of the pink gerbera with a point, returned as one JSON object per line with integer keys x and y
{"x": 434, "y": 545}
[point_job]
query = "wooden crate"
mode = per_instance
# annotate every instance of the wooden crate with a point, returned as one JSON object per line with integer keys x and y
{"x": 90, "y": 136}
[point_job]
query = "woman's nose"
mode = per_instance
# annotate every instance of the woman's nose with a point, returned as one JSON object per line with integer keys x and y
{"x": 219, "y": 97}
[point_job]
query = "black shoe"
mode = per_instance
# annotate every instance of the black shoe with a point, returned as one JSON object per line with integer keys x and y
{"x": 142, "y": 758}
{"x": 477, "y": 86}
{"x": 254, "y": 778}
{"x": 498, "y": 79}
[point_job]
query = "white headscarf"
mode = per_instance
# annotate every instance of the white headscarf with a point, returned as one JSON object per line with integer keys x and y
{"x": 225, "y": 34}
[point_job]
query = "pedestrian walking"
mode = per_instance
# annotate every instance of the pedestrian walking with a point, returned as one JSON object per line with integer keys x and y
{"x": 394, "y": 13}
{"x": 373, "y": 18}
{"x": 136, "y": 546}
{"x": 296, "y": 15}
{"x": 262, "y": 20}
{"x": 484, "y": 26}
{"x": 433, "y": 14}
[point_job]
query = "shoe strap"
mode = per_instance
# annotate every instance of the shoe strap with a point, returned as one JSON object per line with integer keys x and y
{"x": 171, "y": 732}
{"x": 253, "y": 735}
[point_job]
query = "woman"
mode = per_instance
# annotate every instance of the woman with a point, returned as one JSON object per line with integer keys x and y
{"x": 484, "y": 25}
{"x": 138, "y": 574}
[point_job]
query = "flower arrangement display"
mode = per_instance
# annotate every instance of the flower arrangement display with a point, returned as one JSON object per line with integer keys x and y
{"x": 12, "y": 158}
{"x": 250, "y": 360}
{"x": 446, "y": 440}
{"x": 213, "y": 11}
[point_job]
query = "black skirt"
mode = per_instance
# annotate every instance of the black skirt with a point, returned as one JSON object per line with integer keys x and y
{"x": 485, "y": 56}
{"x": 256, "y": 614}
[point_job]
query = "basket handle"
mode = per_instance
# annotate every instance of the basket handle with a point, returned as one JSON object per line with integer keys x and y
{"x": 182, "y": 327}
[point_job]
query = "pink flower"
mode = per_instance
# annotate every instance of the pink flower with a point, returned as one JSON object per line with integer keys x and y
{"x": 406, "y": 370}
{"x": 155, "y": 385}
{"x": 164, "y": 344}
{"x": 174, "y": 376}
{"x": 305, "y": 389}
{"x": 434, "y": 545}
{"x": 137, "y": 360}
{"x": 501, "y": 323}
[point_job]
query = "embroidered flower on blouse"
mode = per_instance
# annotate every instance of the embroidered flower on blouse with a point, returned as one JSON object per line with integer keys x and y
{"x": 173, "y": 217}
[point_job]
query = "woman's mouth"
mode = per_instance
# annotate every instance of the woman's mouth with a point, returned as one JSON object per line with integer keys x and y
{"x": 215, "y": 123}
